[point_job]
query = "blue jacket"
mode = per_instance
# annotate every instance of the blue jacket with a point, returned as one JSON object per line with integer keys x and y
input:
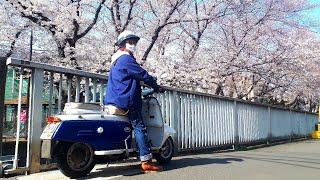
{"x": 123, "y": 87}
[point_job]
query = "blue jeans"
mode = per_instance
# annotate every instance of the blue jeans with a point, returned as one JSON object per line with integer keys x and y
{"x": 140, "y": 132}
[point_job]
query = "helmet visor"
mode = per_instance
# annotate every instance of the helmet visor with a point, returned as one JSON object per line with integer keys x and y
{"x": 121, "y": 41}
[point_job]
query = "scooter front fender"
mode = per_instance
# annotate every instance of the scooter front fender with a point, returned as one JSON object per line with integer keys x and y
{"x": 169, "y": 132}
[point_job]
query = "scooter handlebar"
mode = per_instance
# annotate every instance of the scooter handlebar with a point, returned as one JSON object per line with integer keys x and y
{"x": 146, "y": 92}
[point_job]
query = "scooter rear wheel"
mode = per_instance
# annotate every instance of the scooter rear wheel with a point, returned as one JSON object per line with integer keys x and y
{"x": 75, "y": 159}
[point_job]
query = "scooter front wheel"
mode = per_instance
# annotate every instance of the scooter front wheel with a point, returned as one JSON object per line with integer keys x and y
{"x": 75, "y": 159}
{"x": 166, "y": 152}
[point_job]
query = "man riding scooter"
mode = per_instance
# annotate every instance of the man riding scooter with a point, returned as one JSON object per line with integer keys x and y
{"x": 124, "y": 92}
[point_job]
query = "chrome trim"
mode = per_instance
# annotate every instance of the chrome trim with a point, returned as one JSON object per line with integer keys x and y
{"x": 111, "y": 152}
{"x": 155, "y": 148}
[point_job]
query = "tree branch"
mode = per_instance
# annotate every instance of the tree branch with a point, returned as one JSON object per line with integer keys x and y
{"x": 94, "y": 20}
{"x": 129, "y": 18}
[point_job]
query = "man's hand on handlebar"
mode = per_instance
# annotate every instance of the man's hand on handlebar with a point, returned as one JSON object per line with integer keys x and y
{"x": 159, "y": 90}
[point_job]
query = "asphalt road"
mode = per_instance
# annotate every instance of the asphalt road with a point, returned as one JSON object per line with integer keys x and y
{"x": 295, "y": 161}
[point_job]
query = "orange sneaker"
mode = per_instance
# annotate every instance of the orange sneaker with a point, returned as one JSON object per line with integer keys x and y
{"x": 148, "y": 166}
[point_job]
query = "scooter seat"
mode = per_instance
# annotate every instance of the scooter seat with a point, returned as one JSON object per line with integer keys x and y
{"x": 113, "y": 110}
{"x": 85, "y": 106}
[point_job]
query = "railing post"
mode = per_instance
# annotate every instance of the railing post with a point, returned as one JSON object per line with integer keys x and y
{"x": 269, "y": 139}
{"x": 101, "y": 92}
{"x": 69, "y": 77}
{"x": 307, "y": 129}
{"x": 50, "y": 93}
{"x": 60, "y": 93}
{"x": 78, "y": 79}
{"x": 175, "y": 117}
{"x": 94, "y": 94}
{"x": 15, "y": 161}
{"x": 34, "y": 142}
{"x": 3, "y": 74}
{"x": 291, "y": 125}
{"x": 236, "y": 139}
{"x": 86, "y": 91}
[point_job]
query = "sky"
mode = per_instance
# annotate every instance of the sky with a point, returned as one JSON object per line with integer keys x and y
{"x": 314, "y": 16}
{"x": 316, "y": 12}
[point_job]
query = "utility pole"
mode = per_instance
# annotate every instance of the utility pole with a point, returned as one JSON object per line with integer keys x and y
{"x": 31, "y": 40}
{"x": 3, "y": 78}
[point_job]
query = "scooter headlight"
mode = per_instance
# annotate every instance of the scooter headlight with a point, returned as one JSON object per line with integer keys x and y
{"x": 53, "y": 119}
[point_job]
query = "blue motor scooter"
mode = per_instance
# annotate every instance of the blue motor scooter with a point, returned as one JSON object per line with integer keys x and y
{"x": 84, "y": 131}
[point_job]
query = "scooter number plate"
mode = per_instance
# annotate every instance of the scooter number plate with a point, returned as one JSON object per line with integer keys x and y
{"x": 50, "y": 128}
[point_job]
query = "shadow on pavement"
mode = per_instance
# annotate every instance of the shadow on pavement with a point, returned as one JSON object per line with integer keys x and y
{"x": 132, "y": 170}
{"x": 313, "y": 159}
{"x": 284, "y": 161}
{"x": 187, "y": 162}
{"x": 112, "y": 171}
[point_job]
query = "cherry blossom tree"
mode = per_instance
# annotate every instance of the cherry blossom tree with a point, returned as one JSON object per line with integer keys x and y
{"x": 67, "y": 21}
{"x": 257, "y": 50}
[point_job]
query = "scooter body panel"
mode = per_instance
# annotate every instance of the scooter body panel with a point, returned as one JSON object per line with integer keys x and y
{"x": 101, "y": 135}
{"x": 152, "y": 118}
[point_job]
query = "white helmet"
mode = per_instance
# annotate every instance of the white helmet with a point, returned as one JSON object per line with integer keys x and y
{"x": 124, "y": 36}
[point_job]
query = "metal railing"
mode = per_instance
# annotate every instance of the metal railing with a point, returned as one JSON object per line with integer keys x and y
{"x": 201, "y": 120}
{"x": 47, "y": 77}
{"x": 204, "y": 121}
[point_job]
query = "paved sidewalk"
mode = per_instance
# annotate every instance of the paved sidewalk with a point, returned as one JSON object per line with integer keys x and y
{"x": 294, "y": 161}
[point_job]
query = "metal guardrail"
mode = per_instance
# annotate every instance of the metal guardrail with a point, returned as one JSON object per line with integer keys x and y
{"x": 204, "y": 121}
{"x": 39, "y": 74}
{"x": 201, "y": 120}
